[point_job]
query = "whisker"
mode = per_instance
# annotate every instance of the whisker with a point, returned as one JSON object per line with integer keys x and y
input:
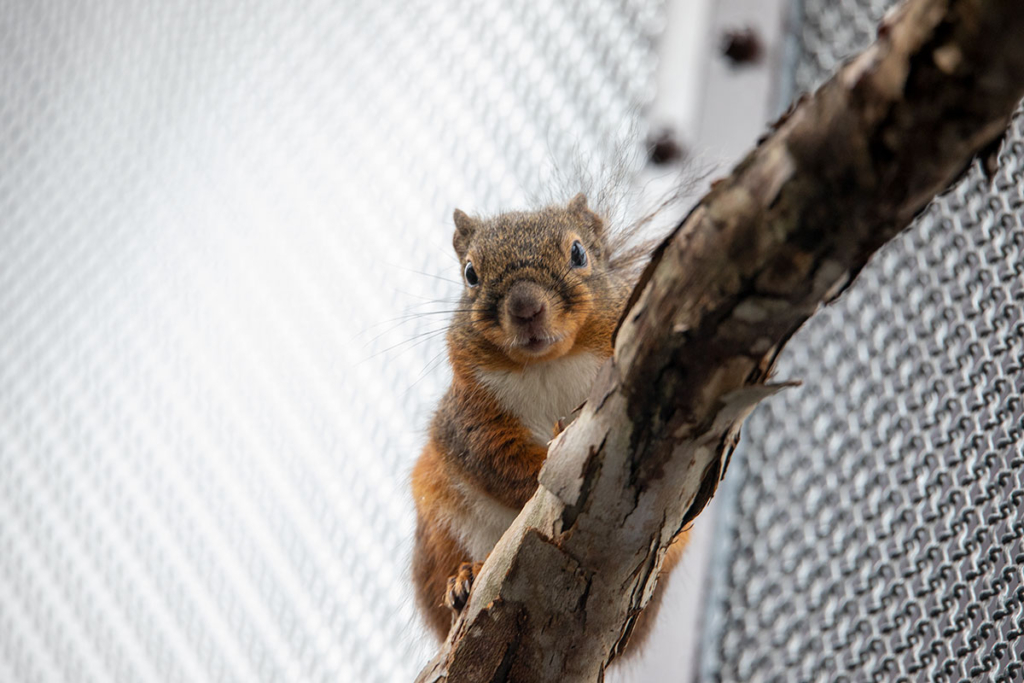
{"x": 419, "y": 314}
{"x": 431, "y": 365}
{"x": 413, "y": 342}
{"x": 449, "y": 254}
{"x": 400, "y": 321}
{"x": 422, "y": 298}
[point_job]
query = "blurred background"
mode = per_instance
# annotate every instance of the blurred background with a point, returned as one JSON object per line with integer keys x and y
{"x": 225, "y": 266}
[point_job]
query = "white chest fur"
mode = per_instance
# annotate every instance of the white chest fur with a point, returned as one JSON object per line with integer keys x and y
{"x": 480, "y": 521}
{"x": 542, "y": 393}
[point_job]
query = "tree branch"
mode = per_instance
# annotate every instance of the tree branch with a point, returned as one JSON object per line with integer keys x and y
{"x": 789, "y": 229}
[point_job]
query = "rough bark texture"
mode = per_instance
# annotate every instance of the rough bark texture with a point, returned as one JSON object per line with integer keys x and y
{"x": 786, "y": 231}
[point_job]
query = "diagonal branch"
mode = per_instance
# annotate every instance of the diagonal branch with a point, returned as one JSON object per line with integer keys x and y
{"x": 789, "y": 229}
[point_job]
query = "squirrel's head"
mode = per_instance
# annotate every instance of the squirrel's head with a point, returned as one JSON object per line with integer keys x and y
{"x": 535, "y": 285}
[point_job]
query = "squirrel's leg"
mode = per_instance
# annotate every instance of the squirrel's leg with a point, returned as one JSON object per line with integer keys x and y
{"x": 436, "y": 554}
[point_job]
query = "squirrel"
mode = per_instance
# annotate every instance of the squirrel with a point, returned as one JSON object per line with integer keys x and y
{"x": 543, "y": 293}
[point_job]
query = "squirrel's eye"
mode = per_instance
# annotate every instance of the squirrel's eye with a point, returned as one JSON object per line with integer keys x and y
{"x": 577, "y": 255}
{"x": 471, "y": 277}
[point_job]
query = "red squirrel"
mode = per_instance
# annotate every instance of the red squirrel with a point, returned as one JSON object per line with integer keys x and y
{"x": 543, "y": 293}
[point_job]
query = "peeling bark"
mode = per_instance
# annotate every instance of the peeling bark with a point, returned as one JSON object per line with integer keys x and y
{"x": 788, "y": 230}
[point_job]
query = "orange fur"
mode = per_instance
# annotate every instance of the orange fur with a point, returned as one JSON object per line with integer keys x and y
{"x": 645, "y": 621}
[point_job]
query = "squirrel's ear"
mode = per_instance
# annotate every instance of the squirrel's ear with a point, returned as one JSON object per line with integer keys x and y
{"x": 464, "y": 229}
{"x": 578, "y": 206}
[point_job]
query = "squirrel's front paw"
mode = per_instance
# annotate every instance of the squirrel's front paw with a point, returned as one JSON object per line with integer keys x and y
{"x": 459, "y": 586}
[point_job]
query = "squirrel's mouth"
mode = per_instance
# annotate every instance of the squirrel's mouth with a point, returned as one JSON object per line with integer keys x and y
{"x": 537, "y": 344}
{"x": 530, "y": 321}
{"x": 529, "y": 345}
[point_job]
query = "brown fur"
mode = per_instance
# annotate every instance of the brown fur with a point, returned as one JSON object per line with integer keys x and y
{"x": 477, "y": 449}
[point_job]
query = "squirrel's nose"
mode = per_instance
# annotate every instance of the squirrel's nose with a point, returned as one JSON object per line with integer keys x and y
{"x": 524, "y": 311}
{"x": 524, "y": 304}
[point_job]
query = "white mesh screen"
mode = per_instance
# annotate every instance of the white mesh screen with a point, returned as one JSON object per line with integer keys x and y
{"x": 207, "y": 213}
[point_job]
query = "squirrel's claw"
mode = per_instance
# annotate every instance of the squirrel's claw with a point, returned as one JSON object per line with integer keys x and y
{"x": 457, "y": 594}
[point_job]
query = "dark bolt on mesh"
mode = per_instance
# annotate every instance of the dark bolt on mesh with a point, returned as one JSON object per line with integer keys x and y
{"x": 873, "y": 528}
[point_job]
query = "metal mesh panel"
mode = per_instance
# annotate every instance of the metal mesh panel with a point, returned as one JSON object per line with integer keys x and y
{"x": 207, "y": 211}
{"x": 875, "y": 526}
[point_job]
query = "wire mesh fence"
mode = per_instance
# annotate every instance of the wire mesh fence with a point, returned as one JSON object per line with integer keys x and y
{"x": 874, "y": 528}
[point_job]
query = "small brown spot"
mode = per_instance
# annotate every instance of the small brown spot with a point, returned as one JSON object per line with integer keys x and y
{"x": 663, "y": 147}
{"x": 742, "y": 46}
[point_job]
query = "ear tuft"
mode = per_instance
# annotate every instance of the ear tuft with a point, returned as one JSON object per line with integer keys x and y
{"x": 578, "y": 204}
{"x": 464, "y": 229}
{"x": 463, "y": 223}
